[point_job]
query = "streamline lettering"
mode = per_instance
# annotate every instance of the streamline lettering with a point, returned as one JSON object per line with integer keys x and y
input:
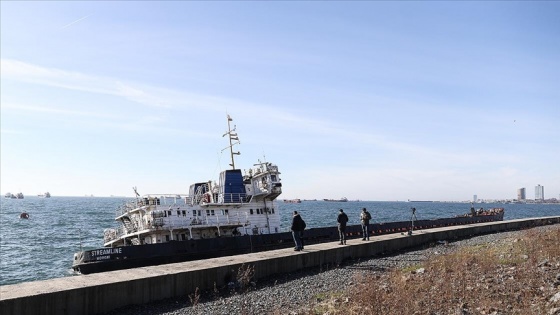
{"x": 106, "y": 251}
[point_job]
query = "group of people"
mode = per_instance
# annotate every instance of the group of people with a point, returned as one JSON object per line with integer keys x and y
{"x": 298, "y": 225}
{"x": 342, "y": 220}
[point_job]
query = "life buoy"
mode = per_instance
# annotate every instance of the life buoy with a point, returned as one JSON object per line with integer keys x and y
{"x": 24, "y": 215}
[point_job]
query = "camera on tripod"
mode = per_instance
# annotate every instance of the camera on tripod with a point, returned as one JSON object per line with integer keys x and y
{"x": 412, "y": 219}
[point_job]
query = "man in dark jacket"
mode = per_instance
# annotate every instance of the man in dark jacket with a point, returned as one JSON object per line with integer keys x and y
{"x": 342, "y": 220}
{"x": 298, "y": 225}
{"x": 365, "y": 216}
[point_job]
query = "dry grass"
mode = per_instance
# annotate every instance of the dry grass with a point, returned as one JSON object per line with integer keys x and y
{"x": 515, "y": 276}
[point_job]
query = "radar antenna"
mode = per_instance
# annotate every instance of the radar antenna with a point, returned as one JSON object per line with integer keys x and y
{"x": 232, "y": 137}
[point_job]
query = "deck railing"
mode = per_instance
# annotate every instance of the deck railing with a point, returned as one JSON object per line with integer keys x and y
{"x": 172, "y": 223}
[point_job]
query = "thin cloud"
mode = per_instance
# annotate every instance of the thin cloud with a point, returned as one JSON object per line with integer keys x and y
{"x": 51, "y": 110}
{"x": 178, "y": 100}
{"x": 25, "y": 72}
{"x": 76, "y": 21}
{"x": 11, "y": 132}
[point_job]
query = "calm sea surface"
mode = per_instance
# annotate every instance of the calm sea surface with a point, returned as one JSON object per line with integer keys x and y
{"x": 42, "y": 247}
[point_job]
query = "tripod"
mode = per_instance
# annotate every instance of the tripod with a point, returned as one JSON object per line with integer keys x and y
{"x": 412, "y": 219}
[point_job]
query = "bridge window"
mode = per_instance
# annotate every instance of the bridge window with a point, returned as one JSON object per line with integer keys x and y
{"x": 251, "y": 211}
{"x": 169, "y": 212}
{"x": 184, "y": 213}
{"x": 273, "y": 178}
{"x": 272, "y": 210}
{"x": 178, "y": 213}
{"x": 212, "y": 212}
{"x": 194, "y": 213}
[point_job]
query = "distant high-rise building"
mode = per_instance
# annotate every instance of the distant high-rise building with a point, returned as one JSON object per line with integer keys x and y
{"x": 521, "y": 194}
{"x": 474, "y": 198}
{"x": 539, "y": 192}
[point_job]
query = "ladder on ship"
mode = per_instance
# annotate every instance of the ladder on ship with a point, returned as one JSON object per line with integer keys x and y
{"x": 128, "y": 225}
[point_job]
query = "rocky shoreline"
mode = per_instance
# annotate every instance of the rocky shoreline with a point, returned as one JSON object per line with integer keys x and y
{"x": 293, "y": 293}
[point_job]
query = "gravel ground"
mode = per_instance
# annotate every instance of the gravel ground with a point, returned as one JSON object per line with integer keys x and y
{"x": 290, "y": 293}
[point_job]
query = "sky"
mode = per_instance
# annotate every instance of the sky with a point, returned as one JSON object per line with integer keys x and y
{"x": 365, "y": 100}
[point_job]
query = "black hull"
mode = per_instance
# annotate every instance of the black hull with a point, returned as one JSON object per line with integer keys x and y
{"x": 125, "y": 257}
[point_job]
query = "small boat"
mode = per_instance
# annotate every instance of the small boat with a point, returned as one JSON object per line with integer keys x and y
{"x": 24, "y": 215}
{"x": 45, "y": 195}
{"x": 292, "y": 200}
{"x": 9, "y": 195}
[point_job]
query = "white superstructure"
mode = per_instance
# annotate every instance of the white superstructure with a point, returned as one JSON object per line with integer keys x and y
{"x": 235, "y": 205}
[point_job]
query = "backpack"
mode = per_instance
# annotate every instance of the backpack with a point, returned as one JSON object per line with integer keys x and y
{"x": 303, "y": 225}
{"x": 344, "y": 218}
{"x": 368, "y": 216}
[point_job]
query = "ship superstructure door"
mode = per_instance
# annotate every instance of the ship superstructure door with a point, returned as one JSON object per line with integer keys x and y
{"x": 232, "y": 189}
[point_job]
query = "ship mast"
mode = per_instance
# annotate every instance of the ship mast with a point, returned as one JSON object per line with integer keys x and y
{"x": 232, "y": 137}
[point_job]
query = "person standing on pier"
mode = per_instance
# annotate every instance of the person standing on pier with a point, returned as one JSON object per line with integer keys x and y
{"x": 342, "y": 220}
{"x": 365, "y": 216}
{"x": 298, "y": 225}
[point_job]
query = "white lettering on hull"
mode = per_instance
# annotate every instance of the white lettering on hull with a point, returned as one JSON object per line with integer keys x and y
{"x": 106, "y": 251}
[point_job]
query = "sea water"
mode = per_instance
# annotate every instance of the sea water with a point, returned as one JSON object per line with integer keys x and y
{"x": 42, "y": 247}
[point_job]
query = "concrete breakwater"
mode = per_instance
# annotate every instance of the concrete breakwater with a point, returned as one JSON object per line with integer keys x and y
{"x": 103, "y": 292}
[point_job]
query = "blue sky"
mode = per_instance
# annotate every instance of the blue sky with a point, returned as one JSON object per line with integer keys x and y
{"x": 367, "y": 100}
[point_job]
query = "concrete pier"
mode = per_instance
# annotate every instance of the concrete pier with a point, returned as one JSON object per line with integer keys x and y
{"x": 102, "y": 292}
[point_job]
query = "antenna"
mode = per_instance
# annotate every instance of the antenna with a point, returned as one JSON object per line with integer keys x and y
{"x": 136, "y": 192}
{"x": 232, "y": 137}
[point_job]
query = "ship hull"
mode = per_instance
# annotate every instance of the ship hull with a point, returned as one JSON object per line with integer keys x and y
{"x": 125, "y": 257}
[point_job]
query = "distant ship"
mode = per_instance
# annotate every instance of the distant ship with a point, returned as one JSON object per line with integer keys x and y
{"x": 343, "y": 199}
{"x": 292, "y": 200}
{"x": 45, "y": 195}
{"x": 19, "y": 195}
{"x": 9, "y": 195}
